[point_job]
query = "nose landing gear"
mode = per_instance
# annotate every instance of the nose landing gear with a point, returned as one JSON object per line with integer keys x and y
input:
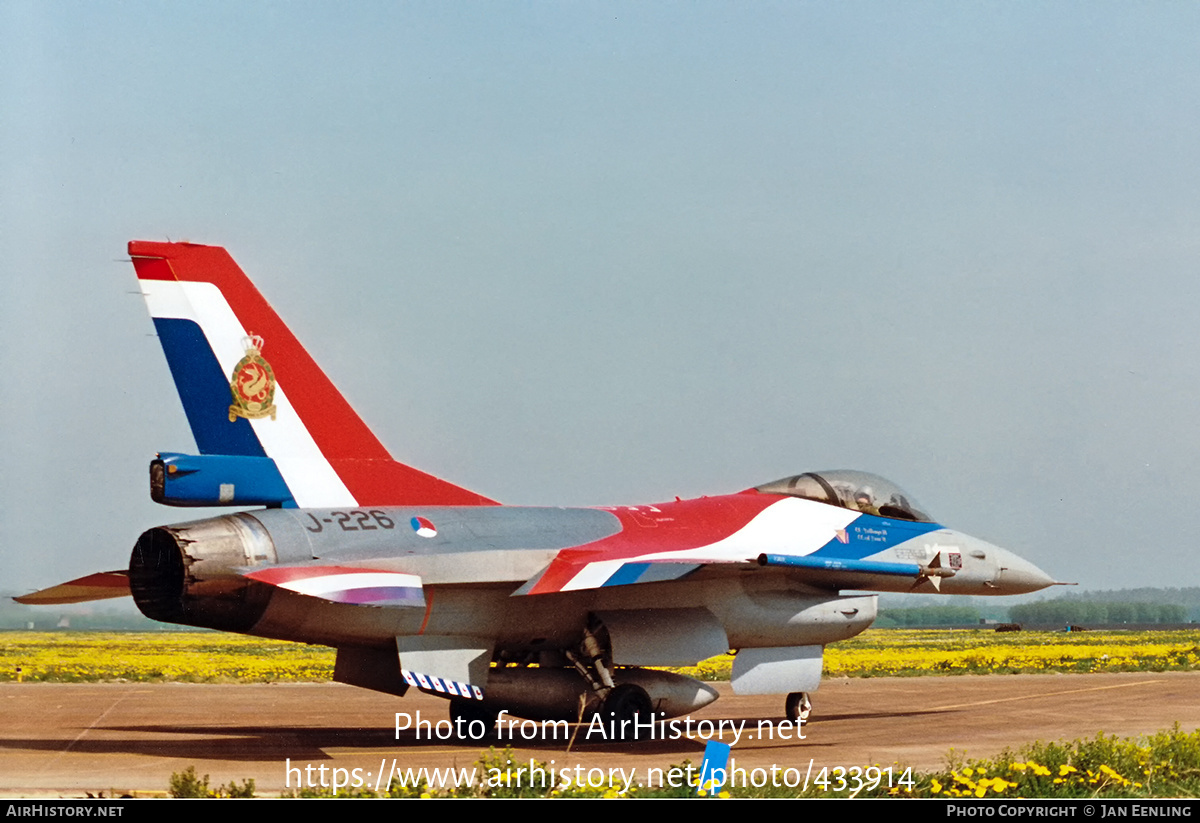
{"x": 798, "y": 707}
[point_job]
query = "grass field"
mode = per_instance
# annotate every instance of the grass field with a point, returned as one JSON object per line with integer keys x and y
{"x": 72, "y": 657}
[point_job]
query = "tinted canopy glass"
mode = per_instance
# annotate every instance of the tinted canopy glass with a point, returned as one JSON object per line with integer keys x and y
{"x": 854, "y": 490}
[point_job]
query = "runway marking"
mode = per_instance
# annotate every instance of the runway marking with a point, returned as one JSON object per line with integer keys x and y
{"x": 1046, "y": 694}
{"x": 103, "y": 715}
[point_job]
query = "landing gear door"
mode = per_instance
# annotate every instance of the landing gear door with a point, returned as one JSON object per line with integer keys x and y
{"x": 779, "y": 670}
{"x": 664, "y": 637}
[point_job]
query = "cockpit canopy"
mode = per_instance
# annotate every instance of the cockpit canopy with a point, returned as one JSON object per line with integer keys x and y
{"x": 854, "y": 490}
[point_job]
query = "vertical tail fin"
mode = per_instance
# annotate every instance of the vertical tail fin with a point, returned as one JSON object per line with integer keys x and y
{"x": 250, "y": 389}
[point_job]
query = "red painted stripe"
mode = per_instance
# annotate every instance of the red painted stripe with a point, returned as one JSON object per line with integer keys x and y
{"x": 358, "y": 457}
{"x": 151, "y": 268}
{"x": 686, "y": 524}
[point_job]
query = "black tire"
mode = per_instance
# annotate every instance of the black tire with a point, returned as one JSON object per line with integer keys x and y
{"x": 628, "y": 702}
{"x": 798, "y": 707}
{"x": 464, "y": 713}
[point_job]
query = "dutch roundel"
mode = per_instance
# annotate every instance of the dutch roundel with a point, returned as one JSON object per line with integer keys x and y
{"x": 423, "y": 526}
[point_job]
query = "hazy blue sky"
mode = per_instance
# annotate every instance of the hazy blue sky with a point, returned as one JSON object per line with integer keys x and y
{"x": 595, "y": 253}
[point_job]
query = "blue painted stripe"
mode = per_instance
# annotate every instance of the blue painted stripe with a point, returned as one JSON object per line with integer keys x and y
{"x": 628, "y": 573}
{"x": 868, "y": 535}
{"x": 204, "y": 390}
{"x": 841, "y": 564}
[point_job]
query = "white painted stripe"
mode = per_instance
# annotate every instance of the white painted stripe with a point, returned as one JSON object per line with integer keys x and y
{"x": 594, "y": 575}
{"x": 324, "y": 584}
{"x": 311, "y": 479}
{"x": 165, "y": 299}
{"x": 792, "y": 526}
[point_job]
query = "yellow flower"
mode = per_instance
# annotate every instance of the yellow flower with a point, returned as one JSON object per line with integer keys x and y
{"x": 1105, "y": 770}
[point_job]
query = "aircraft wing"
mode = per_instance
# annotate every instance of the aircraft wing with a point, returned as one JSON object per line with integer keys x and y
{"x": 820, "y": 572}
{"x": 818, "y": 545}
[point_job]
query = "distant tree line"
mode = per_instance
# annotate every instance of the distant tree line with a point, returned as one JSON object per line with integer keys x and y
{"x": 928, "y": 616}
{"x": 1094, "y": 612}
{"x": 1049, "y": 612}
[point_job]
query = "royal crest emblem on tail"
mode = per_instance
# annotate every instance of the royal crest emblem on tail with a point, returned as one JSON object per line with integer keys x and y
{"x": 252, "y": 384}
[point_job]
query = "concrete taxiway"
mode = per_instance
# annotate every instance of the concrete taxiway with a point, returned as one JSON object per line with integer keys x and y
{"x": 74, "y": 738}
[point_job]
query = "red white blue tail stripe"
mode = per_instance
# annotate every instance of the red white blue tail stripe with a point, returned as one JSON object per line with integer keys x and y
{"x": 220, "y": 336}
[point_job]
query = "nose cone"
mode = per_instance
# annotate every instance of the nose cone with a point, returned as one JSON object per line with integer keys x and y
{"x": 985, "y": 567}
{"x": 1017, "y": 575}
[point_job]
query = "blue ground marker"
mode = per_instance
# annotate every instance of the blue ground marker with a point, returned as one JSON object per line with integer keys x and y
{"x": 716, "y": 758}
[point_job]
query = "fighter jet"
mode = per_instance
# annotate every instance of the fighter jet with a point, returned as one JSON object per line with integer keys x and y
{"x": 544, "y": 613}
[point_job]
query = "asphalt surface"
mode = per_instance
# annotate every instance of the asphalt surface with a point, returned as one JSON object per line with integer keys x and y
{"x": 68, "y": 739}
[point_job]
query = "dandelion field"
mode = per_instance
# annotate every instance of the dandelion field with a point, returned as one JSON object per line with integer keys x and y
{"x": 189, "y": 657}
{"x": 203, "y": 657}
{"x": 918, "y": 652}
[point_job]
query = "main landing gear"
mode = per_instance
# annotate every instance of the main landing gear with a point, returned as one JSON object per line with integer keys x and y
{"x": 798, "y": 707}
{"x": 625, "y": 702}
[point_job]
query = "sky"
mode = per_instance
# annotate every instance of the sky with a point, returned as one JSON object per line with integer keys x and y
{"x": 611, "y": 253}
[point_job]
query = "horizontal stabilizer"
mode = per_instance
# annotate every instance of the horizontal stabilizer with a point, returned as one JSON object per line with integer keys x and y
{"x": 98, "y": 586}
{"x": 337, "y": 584}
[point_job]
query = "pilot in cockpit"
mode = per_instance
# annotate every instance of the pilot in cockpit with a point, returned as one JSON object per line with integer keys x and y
{"x": 864, "y": 500}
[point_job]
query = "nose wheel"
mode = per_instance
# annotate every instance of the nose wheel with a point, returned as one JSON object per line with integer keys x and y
{"x": 798, "y": 707}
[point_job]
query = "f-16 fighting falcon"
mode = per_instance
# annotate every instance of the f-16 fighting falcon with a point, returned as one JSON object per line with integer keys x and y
{"x": 545, "y": 613}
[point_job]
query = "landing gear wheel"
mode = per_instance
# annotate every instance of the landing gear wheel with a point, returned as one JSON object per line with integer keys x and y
{"x": 466, "y": 717}
{"x": 798, "y": 707}
{"x": 628, "y": 702}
